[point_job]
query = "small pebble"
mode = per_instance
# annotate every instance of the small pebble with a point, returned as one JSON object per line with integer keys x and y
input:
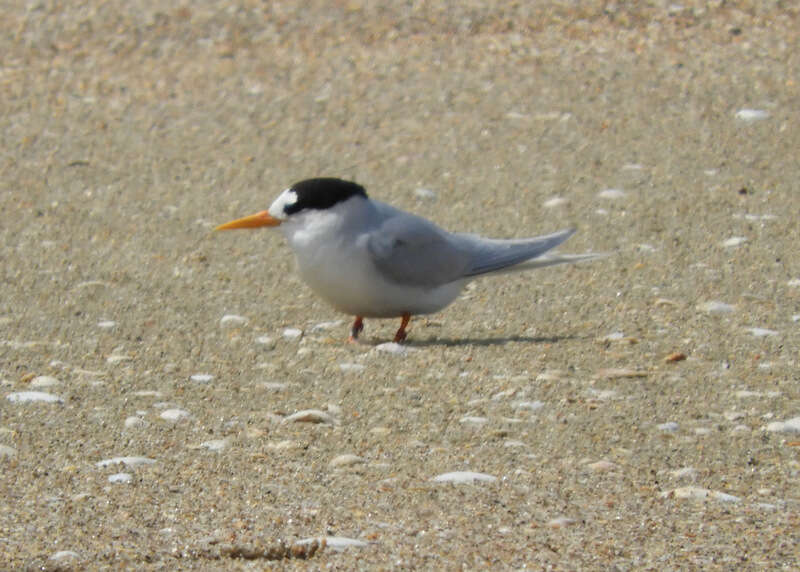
{"x": 745, "y": 393}
{"x": 215, "y": 444}
{"x": 747, "y": 114}
{"x": 335, "y": 542}
{"x": 500, "y": 395}
{"x": 734, "y": 241}
{"x": 44, "y": 381}
{"x": 755, "y": 217}
{"x": 201, "y": 377}
{"x": 561, "y": 522}
{"x": 292, "y": 333}
{"x": 620, "y": 372}
{"x": 392, "y": 348}
{"x": 766, "y": 506}
{"x": 761, "y": 332}
{"x": 323, "y": 326}
{"x": 106, "y": 324}
{"x": 174, "y": 414}
{"x": 788, "y": 426}
{"x": 699, "y": 493}
{"x": 551, "y": 375}
{"x": 133, "y": 421}
{"x": 147, "y": 393}
{"x": 33, "y": 396}
{"x": 127, "y": 461}
{"x": 602, "y": 466}
{"x": 352, "y": 367}
{"x": 346, "y": 460}
{"x": 462, "y": 477}
{"x": 284, "y": 445}
{"x": 611, "y": 194}
{"x": 425, "y": 194}
{"x": 63, "y": 555}
{"x": 273, "y": 385}
{"x": 91, "y": 284}
{"x": 675, "y": 357}
{"x": 265, "y": 341}
{"x": 715, "y": 307}
{"x": 232, "y": 321}
{"x": 473, "y": 420}
{"x": 613, "y": 337}
{"x": 602, "y": 394}
{"x": 512, "y": 443}
{"x": 123, "y": 478}
{"x": 310, "y": 416}
{"x": 734, "y": 415}
{"x": 529, "y": 405}
{"x": 555, "y": 202}
{"x": 684, "y": 473}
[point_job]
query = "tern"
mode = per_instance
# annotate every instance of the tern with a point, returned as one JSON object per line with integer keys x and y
{"x": 371, "y": 260}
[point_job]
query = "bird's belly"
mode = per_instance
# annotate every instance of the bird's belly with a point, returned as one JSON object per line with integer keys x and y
{"x": 352, "y": 285}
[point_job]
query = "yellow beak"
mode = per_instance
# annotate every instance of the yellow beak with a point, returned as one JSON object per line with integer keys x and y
{"x": 253, "y": 221}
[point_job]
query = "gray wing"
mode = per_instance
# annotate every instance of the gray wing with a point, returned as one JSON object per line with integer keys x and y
{"x": 411, "y": 250}
{"x": 492, "y": 255}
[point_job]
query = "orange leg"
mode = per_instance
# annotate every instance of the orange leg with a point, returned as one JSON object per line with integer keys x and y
{"x": 401, "y": 333}
{"x": 358, "y": 325}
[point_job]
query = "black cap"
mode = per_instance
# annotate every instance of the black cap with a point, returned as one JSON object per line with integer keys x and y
{"x": 322, "y": 193}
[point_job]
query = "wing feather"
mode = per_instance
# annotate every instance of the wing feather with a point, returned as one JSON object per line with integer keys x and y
{"x": 410, "y": 250}
{"x": 491, "y": 255}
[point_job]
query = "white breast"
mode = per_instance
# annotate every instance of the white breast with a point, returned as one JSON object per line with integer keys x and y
{"x": 331, "y": 250}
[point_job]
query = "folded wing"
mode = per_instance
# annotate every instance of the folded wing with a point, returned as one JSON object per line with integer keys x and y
{"x": 492, "y": 255}
{"x": 411, "y": 250}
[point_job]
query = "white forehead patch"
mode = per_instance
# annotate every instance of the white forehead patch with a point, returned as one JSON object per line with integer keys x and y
{"x": 285, "y": 199}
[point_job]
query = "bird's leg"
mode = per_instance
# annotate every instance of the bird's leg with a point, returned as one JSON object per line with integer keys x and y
{"x": 401, "y": 333}
{"x": 358, "y": 325}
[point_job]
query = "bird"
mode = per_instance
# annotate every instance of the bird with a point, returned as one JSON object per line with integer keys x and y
{"x": 369, "y": 259}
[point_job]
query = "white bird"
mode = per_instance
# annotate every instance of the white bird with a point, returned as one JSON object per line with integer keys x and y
{"x": 371, "y": 260}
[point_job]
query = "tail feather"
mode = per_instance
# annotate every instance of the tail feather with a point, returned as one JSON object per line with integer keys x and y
{"x": 494, "y": 255}
{"x": 553, "y": 259}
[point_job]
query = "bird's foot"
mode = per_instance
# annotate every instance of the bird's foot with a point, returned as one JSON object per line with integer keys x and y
{"x": 358, "y": 326}
{"x": 401, "y": 334}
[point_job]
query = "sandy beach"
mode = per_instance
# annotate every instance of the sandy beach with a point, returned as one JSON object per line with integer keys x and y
{"x": 177, "y": 399}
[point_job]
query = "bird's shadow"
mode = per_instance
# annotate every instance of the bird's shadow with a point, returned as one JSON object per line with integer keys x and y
{"x": 491, "y": 341}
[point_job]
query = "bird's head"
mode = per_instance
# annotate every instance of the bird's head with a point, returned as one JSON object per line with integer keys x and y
{"x": 309, "y": 195}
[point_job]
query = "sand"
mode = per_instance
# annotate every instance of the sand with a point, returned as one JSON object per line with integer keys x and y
{"x": 629, "y": 413}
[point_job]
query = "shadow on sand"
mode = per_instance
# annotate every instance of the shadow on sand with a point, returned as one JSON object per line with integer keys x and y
{"x": 495, "y": 341}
